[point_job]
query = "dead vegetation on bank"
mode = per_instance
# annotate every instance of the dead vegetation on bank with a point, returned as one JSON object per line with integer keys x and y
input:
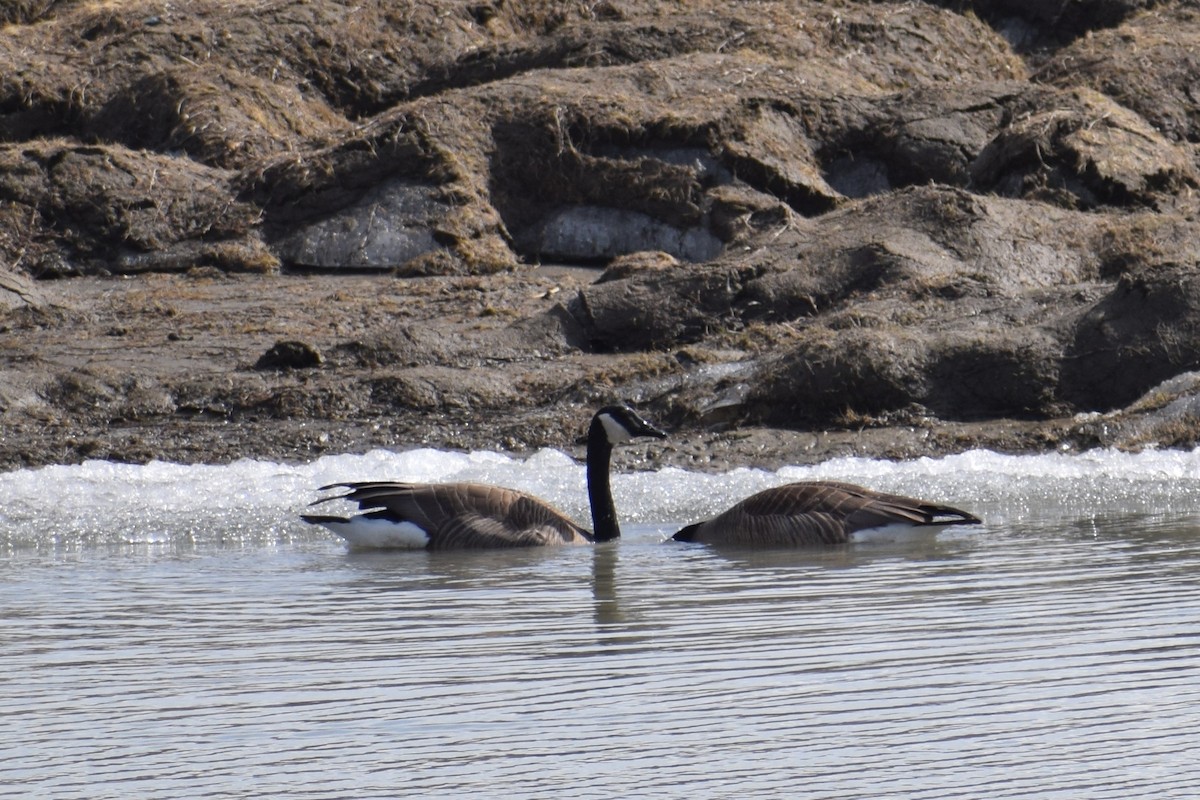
{"x": 866, "y": 215}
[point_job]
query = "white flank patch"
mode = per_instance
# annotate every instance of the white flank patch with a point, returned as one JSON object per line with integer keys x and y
{"x": 615, "y": 431}
{"x": 379, "y": 533}
{"x": 898, "y": 532}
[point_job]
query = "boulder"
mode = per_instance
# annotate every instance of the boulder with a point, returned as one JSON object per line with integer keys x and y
{"x": 1146, "y": 330}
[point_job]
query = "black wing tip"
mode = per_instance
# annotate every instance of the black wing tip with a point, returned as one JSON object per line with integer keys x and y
{"x": 964, "y": 517}
{"x": 349, "y": 485}
{"x": 953, "y": 516}
{"x": 321, "y": 519}
{"x": 356, "y": 490}
{"x": 347, "y": 496}
{"x": 686, "y": 534}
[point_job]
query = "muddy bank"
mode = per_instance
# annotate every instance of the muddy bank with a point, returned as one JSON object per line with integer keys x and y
{"x": 793, "y": 230}
{"x": 188, "y": 368}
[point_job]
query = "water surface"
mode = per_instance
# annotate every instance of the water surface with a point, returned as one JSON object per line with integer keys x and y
{"x": 172, "y": 631}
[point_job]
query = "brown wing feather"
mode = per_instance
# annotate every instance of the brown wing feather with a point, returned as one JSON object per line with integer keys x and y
{"x": 816, "y": 512}
{"x": 467, "y": 515}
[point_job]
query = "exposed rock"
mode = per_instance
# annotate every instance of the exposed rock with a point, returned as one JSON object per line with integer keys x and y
{"x": 391, "y": 225}
{"x": 18, "y": 291}
{"x": 290, "y": 355}
{"x": 591, "y": 233}
{"x": 655, "y": 309}
{"x": 1144, "y": 332}
{"x": 1168, "y": 415}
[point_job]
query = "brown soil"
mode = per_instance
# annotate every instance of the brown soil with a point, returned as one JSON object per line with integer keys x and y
{"x": 164, "y": 367}
{"x": 279, "y": 228}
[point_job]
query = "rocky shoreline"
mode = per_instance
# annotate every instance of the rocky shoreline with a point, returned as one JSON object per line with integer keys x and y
{"x": 786, "y": 231}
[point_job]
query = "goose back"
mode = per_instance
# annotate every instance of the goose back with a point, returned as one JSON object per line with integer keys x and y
{"x": 817, "y": 512}
{"x": 456, "y": 515}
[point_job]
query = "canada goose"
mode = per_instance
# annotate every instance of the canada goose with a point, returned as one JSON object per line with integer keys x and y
{"x": 819, "y": 512}
{"x": 471, "y": 515}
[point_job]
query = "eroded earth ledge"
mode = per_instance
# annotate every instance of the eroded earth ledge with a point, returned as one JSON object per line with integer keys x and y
{"x": 785, "y": 230}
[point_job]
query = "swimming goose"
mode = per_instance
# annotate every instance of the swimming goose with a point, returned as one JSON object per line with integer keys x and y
{"x": 819, "y": 512}
{"x": 471, "y": 515}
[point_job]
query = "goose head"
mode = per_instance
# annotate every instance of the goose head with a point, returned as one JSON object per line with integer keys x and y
{"x": 620, "y": 424}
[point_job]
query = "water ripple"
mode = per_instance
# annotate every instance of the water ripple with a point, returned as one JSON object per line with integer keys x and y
{"x": 1053, "y": 657}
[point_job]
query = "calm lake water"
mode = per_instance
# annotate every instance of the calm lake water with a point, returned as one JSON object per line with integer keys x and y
{"x": 170, "y": 631}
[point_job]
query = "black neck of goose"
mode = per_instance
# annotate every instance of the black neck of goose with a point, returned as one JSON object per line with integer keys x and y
{"x": 599, "y": 459}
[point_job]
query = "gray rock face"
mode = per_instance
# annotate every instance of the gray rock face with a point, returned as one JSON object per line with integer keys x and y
{"x": 592, "y": 233}
{"x": 18, "y": 291}
{"x": 1143, "y": 332}
{"x": 391, "y": 225}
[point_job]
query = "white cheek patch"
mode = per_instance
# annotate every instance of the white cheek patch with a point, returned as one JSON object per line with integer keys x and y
{"x": 366, "y": 532}
{"x": 613, "y": 430}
